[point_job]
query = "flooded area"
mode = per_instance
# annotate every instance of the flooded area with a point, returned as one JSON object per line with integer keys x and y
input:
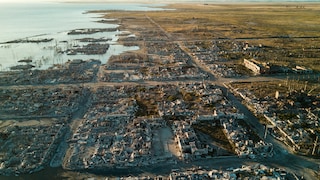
{"x": 180, "y": 104}
{"x": 38, "y": 35}
{"x": 46, "y": 54}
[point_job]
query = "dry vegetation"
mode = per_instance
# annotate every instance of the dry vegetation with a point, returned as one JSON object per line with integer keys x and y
{"x": 264, "y": 89}
{"x": 291, "y": 32}
{"x": 240, "y": 21}
{"x": 216, "y": 134}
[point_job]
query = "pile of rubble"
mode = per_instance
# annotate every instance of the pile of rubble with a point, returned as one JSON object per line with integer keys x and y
{"x": 25, "y": 149}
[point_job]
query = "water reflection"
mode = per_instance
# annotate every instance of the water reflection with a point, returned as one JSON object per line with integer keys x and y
{"x": 53, "y": 20}
{"x": 47, "y": 54}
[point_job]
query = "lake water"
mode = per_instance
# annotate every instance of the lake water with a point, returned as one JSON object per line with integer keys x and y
{"x": 54, "y": 20}
{"x": 36, "y": 21}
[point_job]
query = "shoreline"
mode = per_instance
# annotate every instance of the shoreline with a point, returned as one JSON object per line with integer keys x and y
{"x": 164, "y": 37}
{"x": 192, "y": 2}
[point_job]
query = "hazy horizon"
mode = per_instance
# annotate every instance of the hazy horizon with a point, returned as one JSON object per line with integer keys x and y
{"x": 153, "y": 1}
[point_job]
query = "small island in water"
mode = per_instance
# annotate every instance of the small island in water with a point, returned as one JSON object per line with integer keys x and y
{"x": 189, "y": 91}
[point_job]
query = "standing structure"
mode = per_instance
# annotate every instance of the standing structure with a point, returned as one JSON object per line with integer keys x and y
{"x": 255, "y": 66}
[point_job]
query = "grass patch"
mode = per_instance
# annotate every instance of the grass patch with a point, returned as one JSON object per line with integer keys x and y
{"x": 145, "y": 108}
{"x": 251, "y": 134}
{"x": 216, "y": 134}
{"x": 264, "y": 89}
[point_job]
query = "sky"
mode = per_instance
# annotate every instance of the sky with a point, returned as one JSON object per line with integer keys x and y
{"x": 32, "y": 1}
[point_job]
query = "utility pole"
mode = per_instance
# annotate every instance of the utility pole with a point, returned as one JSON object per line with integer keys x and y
{"x": 266, "y": 131}
{"x": 305, "y": 86}
{"x": 315, "y": 145}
